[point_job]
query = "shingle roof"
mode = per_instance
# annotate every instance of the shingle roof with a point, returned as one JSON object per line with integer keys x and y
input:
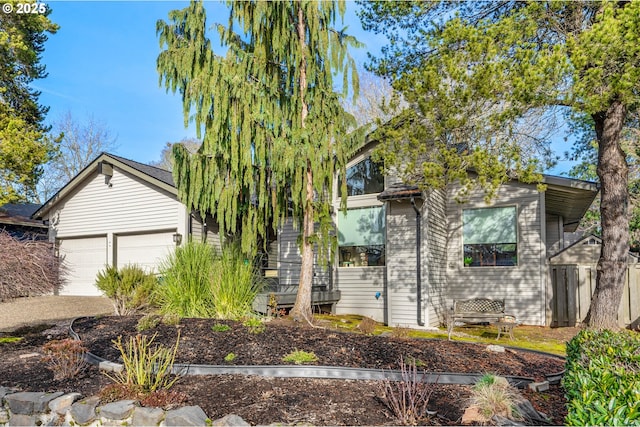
{"x": 400, "y": 191}
{"x": 155, "y": 172}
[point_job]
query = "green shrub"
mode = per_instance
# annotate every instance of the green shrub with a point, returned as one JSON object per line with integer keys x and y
{"x": 300, "y": 357}
{"x": 131, "y": 288}
{"x": 185, "y": 287}
{"x": 236, "y": 282}
{"x": 147, "y": 322}
{"x": 220, "y": 327}
{"x": 254, "y": 324}
{"x": 602, "y": 377}
{"x": 147, "y": 366}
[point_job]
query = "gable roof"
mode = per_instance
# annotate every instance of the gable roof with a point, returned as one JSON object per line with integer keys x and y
{"x": 157, "y": 177}
{"x": 19, "y": 214}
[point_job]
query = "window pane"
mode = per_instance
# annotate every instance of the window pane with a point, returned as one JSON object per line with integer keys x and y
{"x": 364, "y": 178}
{"x": 489, "y": 225}
{"x": 361, "y": 235}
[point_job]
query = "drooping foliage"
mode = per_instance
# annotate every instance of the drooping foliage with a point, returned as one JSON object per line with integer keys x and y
{"x": 273, "y": 129}
{"x": 24, "y": 146}
{"x": 473, "y": 71}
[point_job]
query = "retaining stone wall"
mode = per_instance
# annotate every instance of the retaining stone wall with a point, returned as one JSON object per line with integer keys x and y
{"x": 71, "y": 409}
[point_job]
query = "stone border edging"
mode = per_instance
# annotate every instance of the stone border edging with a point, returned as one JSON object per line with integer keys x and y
{"x": 308, "y": 371}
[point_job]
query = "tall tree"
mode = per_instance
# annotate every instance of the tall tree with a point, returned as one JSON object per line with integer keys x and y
{"x": 79, "y": 143}
{"x": 274, "y": 129}
{"x": 523, "y": 57}
{"x": 24, "y": 145}
{"x": 166, "y": 155}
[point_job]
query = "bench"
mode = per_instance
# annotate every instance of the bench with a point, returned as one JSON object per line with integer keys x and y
{"x": 475, "y": 310}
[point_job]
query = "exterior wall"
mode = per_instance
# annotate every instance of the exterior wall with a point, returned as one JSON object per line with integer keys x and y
{"x": 358, "y": 287}
{"x": 207, "y": 232}
{"x": 434, "y": 250}
{"x": 523, "y": 286}
{"x": 555, "y": 242}
{"x": 125, "y": 205}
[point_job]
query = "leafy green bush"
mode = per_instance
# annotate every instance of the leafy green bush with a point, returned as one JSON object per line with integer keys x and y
{"x": 236, "y": 282}
{"x": 131, "y": 288}
{"x": 185, "y": 287}
{"x": 602, "y": 377}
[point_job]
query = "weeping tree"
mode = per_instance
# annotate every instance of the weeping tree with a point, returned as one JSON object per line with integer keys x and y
{"x": 583, "y": 57}
{"x": 273, "y": 129}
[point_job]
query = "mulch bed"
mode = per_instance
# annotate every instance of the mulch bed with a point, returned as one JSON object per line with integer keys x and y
{"x": 287, "y": 400}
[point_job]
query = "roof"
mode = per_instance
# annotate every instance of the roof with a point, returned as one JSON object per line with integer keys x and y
{"x": 569, "y": 198}
{"x": 19, "y": 214}
{"x": 399, "y": 191}
{"x": 575, "y": 249}
{"x": 158, "y": 177}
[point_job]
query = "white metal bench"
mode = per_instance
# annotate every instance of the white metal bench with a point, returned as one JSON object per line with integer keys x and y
{"x": 475, "y": 310}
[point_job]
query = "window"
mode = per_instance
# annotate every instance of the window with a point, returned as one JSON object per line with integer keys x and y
{"x": 490, "y": 237}
{"x": 361, "y": 236}
{"x": 364, "y": 178}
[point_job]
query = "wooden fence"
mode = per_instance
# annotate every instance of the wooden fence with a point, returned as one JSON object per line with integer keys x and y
{"x": 572, "y": 287}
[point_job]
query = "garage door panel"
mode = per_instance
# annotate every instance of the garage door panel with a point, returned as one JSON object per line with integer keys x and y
{"x": 83, "y": 258}
{"x": 145, "y": 250}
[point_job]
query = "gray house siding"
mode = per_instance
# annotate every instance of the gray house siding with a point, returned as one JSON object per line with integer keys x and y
{"x": 522, "y": 286}
{"x": 435, "y": 256}
{"x": 205, "y": 231}
{"x": 358, "y": 287}
{"x": 554, "y": 234}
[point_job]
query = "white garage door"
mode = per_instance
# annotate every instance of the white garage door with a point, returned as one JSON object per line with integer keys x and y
{"x": 145, "y": 250}
{"x": 83, "y": 259}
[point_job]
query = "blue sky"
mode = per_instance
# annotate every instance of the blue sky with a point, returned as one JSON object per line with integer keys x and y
{"x": 102, "y": 62}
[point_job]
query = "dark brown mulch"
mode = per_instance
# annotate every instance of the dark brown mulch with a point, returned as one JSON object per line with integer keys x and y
{"x": 280, "y": 400}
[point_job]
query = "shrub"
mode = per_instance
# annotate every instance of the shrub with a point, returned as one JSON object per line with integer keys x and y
{"x": 147, "y": 322}
{"x": 147, "y": 367}
{"x": 230, "y": 357}
{"x": 493, "y": 395}
{"x": 367, "y": 325}
{"x": 602, "y": 377}
{"x": 300, "y": 357}
{"x": 131, "y": 288}
{"x": 220, "y": 327}
{"x": 185, "y": 287}
{"x": 254, "y": 325}
{"x": 64, "y": 357}
{"x": 407, "y": 399}
{"x": 236, "y": 282}
{"x": 28, "y": 267}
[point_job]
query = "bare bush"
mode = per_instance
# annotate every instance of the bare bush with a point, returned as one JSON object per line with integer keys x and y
{"x": 28, "y": 267}
{"x": 65, "y": 357}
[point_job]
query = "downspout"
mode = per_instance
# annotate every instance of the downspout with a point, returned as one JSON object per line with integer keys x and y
{"x": 418, "y": 260}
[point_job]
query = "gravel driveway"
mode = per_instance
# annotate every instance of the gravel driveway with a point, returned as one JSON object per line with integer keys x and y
{"x": 49, "y": 309}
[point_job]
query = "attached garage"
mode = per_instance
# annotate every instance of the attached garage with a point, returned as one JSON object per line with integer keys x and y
{"x": 146, "y": 250}
{"x": 82, "y": 258}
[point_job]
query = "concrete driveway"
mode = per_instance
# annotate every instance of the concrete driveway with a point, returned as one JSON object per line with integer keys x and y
{"x": 50, "y": 309}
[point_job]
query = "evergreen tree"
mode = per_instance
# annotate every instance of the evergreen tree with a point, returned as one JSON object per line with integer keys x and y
{"x": 273, "y": 129}
{"x": 509, "y": 59}
{"x": 24, "y": 145}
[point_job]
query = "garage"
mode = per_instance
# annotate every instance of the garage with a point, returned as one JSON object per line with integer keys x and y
{"x": 82, "y": 258}
{"x": 146, "y": 250}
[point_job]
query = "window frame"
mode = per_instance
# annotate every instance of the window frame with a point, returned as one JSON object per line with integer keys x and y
{"x": 353, "y": 261}
{"x": 514, "y": 254}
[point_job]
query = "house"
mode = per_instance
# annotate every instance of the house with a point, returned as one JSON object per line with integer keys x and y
{"x": 114, "y": 212}
{"x": 403, "y": 255}
{"x": 15, "y": 219}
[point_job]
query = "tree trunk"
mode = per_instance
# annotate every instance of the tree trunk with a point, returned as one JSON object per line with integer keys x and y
{"x": 302, "y": 307}
{"x": 614, "y": 197}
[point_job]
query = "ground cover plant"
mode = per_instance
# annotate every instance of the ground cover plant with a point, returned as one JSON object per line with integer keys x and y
{"x": 262, "y": 400}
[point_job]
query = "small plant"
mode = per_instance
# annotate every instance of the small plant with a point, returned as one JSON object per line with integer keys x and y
{"x": 147, "y": 367}
{"x": 417, "y": 362}
{"x": 493, "y": 395}
{"x": 254, "y": 325}
{"x": 400, "y": 332}
{"x": 130, "y": 288}
{"x": 408, "y": 398}
{"x": 220, "y": 327}
{"x": 171, "y": 319}
{"x": 64, "y": 357}
{"x": 7, "y": 340}
{"x": 367, "y": 325}
{"x": 230, "y": 357}
{"x": 147, "y": 322}
{"x": 300, "y": 357}
{"x": 468, "y": 261}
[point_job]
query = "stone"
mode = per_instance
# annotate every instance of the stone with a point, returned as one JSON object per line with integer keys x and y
{"x": 84, "y": 411}
{"x": 499, "y": 420}
{"x": 538, "y": 387}
{"x": 4, "y": 416}
{"x": 61, "y": 405}
{"x": 230, "y": 421}
{"x": 472, "y": 415}
{"x": 147, "y": 416}
{"x": 495, "y": 348}
{"x": 4, "y": 391}
{"x": 187, "y": 416}
{"x": 28, "y": 403}
{"x": 29, "y": 355}
{"x": 117, "y": 410}
{"x": 23, "y": 420}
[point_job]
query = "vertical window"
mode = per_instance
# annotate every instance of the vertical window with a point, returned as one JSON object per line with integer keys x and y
{"x": 361, "y": 237}
{"x": 364, "y": 177}
{"x": 490, "y": 237}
